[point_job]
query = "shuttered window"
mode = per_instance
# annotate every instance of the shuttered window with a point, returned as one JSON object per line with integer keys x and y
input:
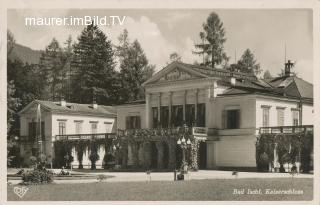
{"x": 133, "y": 122}
{"x": 280, "y": 116}
{"x": 94, "y": 128}
{"x": 78, "y": 125}
{"x": 62, "y": 128}
{"x": 265, "y": 116}
{"x": 295, "y": 117}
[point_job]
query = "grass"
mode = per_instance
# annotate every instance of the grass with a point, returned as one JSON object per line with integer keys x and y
{"x": 194, "y": 190}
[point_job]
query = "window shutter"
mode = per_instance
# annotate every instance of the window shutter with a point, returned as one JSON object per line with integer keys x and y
{"x": 223, "y": 119}
{"x": 128, "y": 122}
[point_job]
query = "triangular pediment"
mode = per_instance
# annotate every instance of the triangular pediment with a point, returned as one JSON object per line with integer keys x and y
{"x": 174, "y": 72}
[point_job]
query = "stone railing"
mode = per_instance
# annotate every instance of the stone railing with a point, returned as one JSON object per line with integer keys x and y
{"x": 201, "y": 131}
{"x": 85, "y": 136}
{"x": 286, "y": 129}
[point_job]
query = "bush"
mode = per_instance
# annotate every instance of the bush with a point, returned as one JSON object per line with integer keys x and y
{"x": 37, "y": 176}
{"x": 94, "y": 157}
{"x": 33, "y": 160}
{"x": 263, "y": 162}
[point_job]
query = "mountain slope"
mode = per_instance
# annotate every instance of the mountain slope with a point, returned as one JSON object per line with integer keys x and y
{"x": 25, "y": 54}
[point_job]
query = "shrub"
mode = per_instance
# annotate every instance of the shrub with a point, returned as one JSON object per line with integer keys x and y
{"x": 94, "y": 157}
{"x": 37, "y": 176}
{"x": 33, "y": 160}
{"x": 263, "y": 162}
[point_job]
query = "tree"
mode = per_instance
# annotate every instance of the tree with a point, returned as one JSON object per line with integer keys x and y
{"x": 134, "y": 68}
{"x": 213, "y": 38}
{"x": 52, "y": 71}
{"x": 10, "y": 42}
{"x": 248, "y": 63}
{"x": 267, "y": 75}
{"x": 93, "y": 68}
{"x": 174, "y": 57}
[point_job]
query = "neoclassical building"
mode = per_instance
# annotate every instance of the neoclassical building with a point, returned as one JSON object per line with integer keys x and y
{"x": 223, "y": 110}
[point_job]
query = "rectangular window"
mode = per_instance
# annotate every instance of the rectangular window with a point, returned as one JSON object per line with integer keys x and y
{"x": 201, "y": 115}
{"x": 62, "y": 128}
{"x": 280, "y": 116}
{"x": 94, "y": 127}
{"x": 154, "y": 117}
{"x": 190, "y": 115}
{"x": 233, "y": 119}
{"x": 177, "y": 116}
{"x": 133, "y": 122}
{"x": 295, "y": 117}
{"x": 164, "y": 116}
{"x": 265, "y": 116}
{"x": 78, "y": 125}
{"x": 108, "y": 126}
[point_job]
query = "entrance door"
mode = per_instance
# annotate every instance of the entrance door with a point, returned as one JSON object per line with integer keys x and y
{"x": 203, "y": 155}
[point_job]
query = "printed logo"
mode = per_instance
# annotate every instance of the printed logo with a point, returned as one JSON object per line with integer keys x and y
{"x": 20, "y": 191}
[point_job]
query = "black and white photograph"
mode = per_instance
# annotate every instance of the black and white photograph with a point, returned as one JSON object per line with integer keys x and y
{"x": 160, "y": 104}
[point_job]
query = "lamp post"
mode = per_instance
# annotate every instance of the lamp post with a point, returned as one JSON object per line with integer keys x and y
{"x": 184, "y": 144}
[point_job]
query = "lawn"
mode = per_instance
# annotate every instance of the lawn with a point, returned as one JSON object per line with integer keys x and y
{"x": 202, "y": 190}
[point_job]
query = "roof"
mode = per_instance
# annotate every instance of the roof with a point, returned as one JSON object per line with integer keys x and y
{"x": 73, "y": 108}
{"x": 135, "y": 102}
{"x": 200, "y": 71}
{"x": 288, "y": 86}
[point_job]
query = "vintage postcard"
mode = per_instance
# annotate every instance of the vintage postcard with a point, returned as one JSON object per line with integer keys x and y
{"x": 214, "y": 103}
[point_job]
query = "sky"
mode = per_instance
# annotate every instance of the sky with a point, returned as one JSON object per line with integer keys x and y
{"x": 266, "y": 32}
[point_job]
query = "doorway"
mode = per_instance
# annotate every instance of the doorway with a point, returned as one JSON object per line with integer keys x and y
{"x": 202, "y": 155}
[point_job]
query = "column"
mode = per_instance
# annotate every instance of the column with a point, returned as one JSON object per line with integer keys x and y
{"x": 184, "y": 105}
{"x": 159, "y": 109}
{"x": 196, "y": 107}
{"x": 148, "y": 111}
{"x": 170, "y": 109}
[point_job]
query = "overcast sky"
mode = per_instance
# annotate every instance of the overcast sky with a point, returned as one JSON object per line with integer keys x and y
{"x": 161, "y": 32}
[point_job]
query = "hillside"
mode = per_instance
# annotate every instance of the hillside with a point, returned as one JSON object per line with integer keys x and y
{"x": 26, "y": 54}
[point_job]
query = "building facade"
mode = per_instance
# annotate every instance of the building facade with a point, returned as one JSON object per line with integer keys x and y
{"x": 224, "y": 109}
{"x": 231, "y": 107}
{"x": 58, "y": 121}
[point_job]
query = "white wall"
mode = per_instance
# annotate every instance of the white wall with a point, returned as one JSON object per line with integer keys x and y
{"x": 307, "y": 115}
{"x": 274, "y": 103}
{"x": 233, "y": 151}
{"x": 246, "y": 104}
{"x": 86, "y": 125}
{"x": 131, "y": 110}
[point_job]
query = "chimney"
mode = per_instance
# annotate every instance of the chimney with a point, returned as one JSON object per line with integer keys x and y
{"x": 63, "y": 103}
{"x": 287, "y": 69}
